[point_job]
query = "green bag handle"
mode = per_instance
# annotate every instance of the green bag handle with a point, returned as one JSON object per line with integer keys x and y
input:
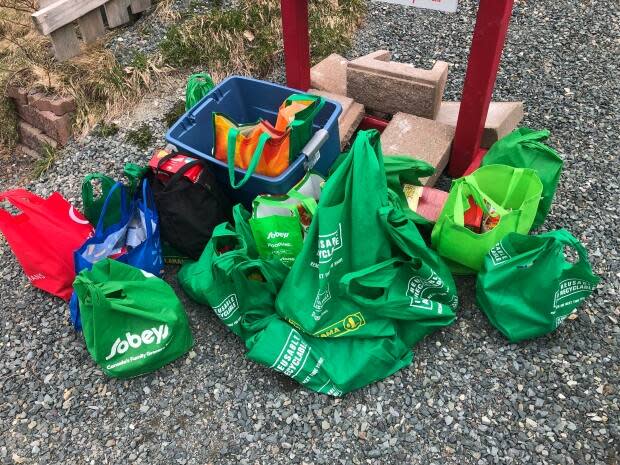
{"x": 318, "y": 104}
{"x": 307, "y": 202}
{"x": 567, "y": 239}
{"x": 87, "y": 186}
{"x": 198, "y": 85}
{"x": 233, "y": 133}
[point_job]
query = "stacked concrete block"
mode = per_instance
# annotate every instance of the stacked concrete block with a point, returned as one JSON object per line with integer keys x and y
{"x": 390, "y": 87}
{"x": 502, "y": 118}
{"x": 330, "y": 75}
{"x": 44, "y": 120}
{"x": 349, "y": 119}
{"x": 420, "y": 138}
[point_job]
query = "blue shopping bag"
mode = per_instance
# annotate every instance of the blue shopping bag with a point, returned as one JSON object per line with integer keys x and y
{"x": 134, "y": 240}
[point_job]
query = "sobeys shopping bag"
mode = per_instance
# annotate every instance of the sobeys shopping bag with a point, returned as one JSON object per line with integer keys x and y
{"x": 524, "y": 148}
{"x": 510, "y": 195}
{"x": 527, "y": 287}
{"x": 279, "y": 224}
{"x": 133, "y": 322}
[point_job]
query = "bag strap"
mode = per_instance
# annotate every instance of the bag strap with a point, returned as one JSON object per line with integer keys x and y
{"x": 150, "y": 212}
{"x": 87, "y": 186}
{"x": 106, "y": 203}
{"x": 567, "y": 239}
{"x": 308, "y": 202}
{"x": 233, "y": 133}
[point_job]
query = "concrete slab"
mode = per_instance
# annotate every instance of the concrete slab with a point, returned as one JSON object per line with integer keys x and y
{"x": 330, "y": 75}
{"x": 349, "y": 119}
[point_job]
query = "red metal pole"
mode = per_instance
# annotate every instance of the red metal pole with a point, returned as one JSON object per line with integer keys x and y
{"x": 296, "y": 43}
{"x": 484, "y": 56}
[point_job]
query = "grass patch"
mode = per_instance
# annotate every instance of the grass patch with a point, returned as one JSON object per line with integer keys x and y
{"x": 141, "y": 137}
{"x": 104, "y": 129}
{"x": 50, "y": 154}
{"x": 247, "y": 39}
{"x": 175, "y": 113}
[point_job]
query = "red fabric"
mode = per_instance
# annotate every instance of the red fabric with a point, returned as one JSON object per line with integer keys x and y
{"x": 43, "y": 237}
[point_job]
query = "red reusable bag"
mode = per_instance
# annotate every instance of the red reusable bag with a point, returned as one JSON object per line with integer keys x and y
{"x": 43, "y": 237}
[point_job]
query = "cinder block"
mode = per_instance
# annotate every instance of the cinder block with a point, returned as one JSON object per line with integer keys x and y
{"x": 57, "y": 105}
{"x": 420, "y": 138}
{"x": 349, "y": 119}
{"x": 56, "y": 127}
{"x": 391, "y": 87}
{"x": 502, "y": 119}
{"x": 18, "y": 94}
{"x": 330, "y": 75}
{"x": 27, "y": 151}
{"x": 34, "y": 138}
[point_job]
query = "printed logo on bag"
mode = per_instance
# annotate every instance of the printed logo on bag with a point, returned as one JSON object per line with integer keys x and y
{"x": 277, "y": 235}
{"x": 293, "y": 356}
{"x": 571, "y": 292}
{"x": 499, "y": 254}
{"x": 322, "y": 296}
{"x": 225, "y": 309}
{"x": 150, "y": 336}
{"x": 350, "y": 323}
{"x": 559, "y": 320}
{"x": 429, "y": 288}
{"x": 75, "y": 218}
{"x": 36, "y": 277}
{"x": 328, "y": 244}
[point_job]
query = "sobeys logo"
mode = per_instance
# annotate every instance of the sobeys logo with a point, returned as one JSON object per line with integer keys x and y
{"x": 350, "y": 323}
{"x": 228, "y": 306}
{"x": 499, "y": 254}
{"x": 422, "y": 291}
{"x": 277, "y": 235}
{"x": 148, "y": 336}
{"x": 328, "y": 244}
{"x": 571, "y": 292}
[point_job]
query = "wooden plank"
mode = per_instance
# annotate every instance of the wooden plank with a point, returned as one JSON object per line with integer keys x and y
{"x": 66, "y": 42}
{"x": 116, "y": 12}
{"x": 62, "y": 12}
{"x": 138, "y": 6}
{"x": 91, "y": 26}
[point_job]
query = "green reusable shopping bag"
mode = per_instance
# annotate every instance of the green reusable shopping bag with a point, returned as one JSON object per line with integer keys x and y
{"x": 513, "y": 193}
{"x": 278, "y": 225}
{"x": 527, "y": 287}
{"x": 198, "y": 85}
{"x": 132, "y": 321}
{"x": 301, "y": 126}
{"x": 228, "y": 259}
{"x": 524, "y": 148}
{"x": 93, "y": 204}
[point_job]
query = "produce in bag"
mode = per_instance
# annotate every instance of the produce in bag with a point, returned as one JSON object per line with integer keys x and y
{"x": 133, "y": 321}
{"x": 511, "y": 193}
{"x": 43, "y": 236}
{"x": 524, "y": 148}
{"x": 527, "y": 287}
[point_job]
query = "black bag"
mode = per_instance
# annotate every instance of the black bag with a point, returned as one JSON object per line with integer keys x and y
{"x": 188, "y": 211}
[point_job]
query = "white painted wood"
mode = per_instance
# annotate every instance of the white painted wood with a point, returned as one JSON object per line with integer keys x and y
{"x": 91, "y": 26}
{"x": 62, "y": 12}
{"x": 138, "y": 6}
{"x": 117, "y": 13}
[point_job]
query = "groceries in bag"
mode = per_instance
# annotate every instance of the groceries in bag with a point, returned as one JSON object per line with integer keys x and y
{"x": 525, "y": 148}
{"x": 527, "y": 286}
{"x": 189, "y": 201}
{"x": 43, "y": 236}
{"x": 496, "y": 190}
{"x": 133, "y": 322}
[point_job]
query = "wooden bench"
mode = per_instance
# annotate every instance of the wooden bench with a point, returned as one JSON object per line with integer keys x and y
{"x": 56, "y": 18}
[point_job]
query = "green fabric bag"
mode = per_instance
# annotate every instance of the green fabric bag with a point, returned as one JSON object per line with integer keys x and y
{"x": 527, "y": 287}
{"x": 524, "y": 148}
{"x": 513, "y": 193}
{"x": 93, "y": 204}
{"x": 278, "y": 225}
{"x": 198, "y": 85}
{"x": 133, "y": 323}
{"x": 301, "y": 126}
{"x": 219, "y": 278}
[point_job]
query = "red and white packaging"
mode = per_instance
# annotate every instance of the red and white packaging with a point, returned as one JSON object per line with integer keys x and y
{"x": 172, "y": 165}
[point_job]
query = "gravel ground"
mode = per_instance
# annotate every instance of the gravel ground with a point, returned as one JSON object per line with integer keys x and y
{"x": 469, "y": 397}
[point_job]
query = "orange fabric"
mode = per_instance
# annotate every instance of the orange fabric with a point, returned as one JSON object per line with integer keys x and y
{"x": 286, "y": 114}
{"x": 275, "y": 157}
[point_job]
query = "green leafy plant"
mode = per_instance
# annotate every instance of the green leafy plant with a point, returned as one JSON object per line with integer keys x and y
{"x": 140, "y": 137}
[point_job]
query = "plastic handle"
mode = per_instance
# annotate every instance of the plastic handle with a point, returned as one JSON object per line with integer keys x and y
{"x": 311, "y": 149}
{"x": 256, "y": 156}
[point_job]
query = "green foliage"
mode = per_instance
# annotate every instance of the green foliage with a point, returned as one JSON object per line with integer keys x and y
{"x": 49, "y": 156}
{"x": 141, "y": 137}
{"x": 104, "y": 129}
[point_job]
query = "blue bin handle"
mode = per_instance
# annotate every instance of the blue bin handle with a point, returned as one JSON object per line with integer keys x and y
{"x": 311, "y": 149}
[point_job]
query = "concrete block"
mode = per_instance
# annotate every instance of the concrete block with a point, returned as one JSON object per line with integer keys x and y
{"x": 56, "y": 127}
{"x": 502, "y": 119}
{"x": 18, "y": 94}
{"x": 420, "y": 138}
{"x": 33, "y": 138}
{"x": 349, "y": 119}
{"x": 390, "y": 87}
{"x": 27, "y": 151}
{"x": 57, "y": 105}
{"x": 330, "y": 75}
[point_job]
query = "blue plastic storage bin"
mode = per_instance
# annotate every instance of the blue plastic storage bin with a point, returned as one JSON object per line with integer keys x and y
{"x": 247, "y": 100}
